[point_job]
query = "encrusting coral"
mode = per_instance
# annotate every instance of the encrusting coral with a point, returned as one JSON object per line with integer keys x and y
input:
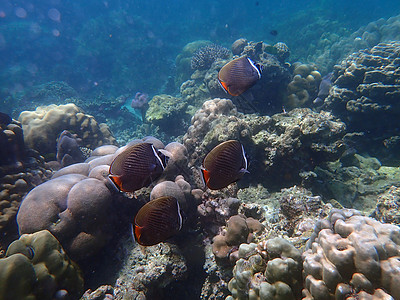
{"x": 37, "y": 267}
{"x": 167, "y": 111}
{"x": 352, "y": 257}
{"x": 284, "y": 145}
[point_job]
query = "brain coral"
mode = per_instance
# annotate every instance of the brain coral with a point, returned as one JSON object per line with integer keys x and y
{"x": 36, "y": 267}
{"x": 74, "y": 206}
{"x": 42, "y": 127}
{"x": 352, "y": 257}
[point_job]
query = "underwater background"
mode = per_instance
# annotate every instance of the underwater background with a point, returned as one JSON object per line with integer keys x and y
{"x": 312, "y": 211}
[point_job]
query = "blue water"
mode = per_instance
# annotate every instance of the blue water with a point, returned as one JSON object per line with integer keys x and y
{"x": 127, "y": 46}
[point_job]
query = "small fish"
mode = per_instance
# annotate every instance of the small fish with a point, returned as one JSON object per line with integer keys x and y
{"x": 223, "y": 165}
{"x": 273, "y": 32}
{"x": 157, "y": 221}
{"x": 238, "y": 75}
{"x": 324, "y": 87}
{"x": 5, "y": 119}
{"x": 137, "y": 167}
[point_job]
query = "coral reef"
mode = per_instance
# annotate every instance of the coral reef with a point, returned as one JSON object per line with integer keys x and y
{"x": 52, "y": 92}
{"x": 237, "y": 46}
{"x": 284, "y": 145}
{"x": 269, "y": 270}
{"x": 42, "y": 127}
{"x": 36, "y": 267}
{"x": 12, "y": 140}
{"x": 333, "y": 47}
{"x": 140, "y": 101}
{"x": 303, "y": 88}
{"x": 352, "y": 256}
{"x": 183, "y": 60}
{"x": 366, "y": 87}
{"x": 21, "y": 169}
{"x": 291, "y": 212}
{"x": 265, "y": 97}
{"x": 179, "y": 189}
{"x": 387, "y": 207}
{"x": 74, "y": 206}
{"x": 168, "y": 113}
{"x": 239, "y": 229}
{"x": 354, "y": 181}
{"x": 206, "y": 55}
{"x": 365, "y": 94}
{"x": 147, "y": 272}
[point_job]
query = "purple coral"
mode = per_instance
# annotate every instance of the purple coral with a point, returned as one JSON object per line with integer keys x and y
{"x": 140, "y": 101}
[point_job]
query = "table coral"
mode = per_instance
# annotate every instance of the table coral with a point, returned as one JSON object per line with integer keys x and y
{"x": 36, "y": 267}
{"x": 352, "y": 256}
{"x": 42, "y": 127}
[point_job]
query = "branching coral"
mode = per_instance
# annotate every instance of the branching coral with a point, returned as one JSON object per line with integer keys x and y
{"x": 205, "y": 56}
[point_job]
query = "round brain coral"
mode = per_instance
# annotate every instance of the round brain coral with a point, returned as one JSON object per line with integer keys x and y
{"x": 74, "y": 206}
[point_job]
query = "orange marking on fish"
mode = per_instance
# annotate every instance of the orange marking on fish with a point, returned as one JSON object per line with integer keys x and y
{"x": 206, "y": 175}
{"x": 138, "y": 233}
{"x": 117, "y": 181}
{"x": 224, "y": 85}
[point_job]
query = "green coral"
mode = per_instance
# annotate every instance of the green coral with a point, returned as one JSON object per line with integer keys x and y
{"x": 355, "y": 181}
{"x": 36, "y": 267}
{"x": 168, "y": 112}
